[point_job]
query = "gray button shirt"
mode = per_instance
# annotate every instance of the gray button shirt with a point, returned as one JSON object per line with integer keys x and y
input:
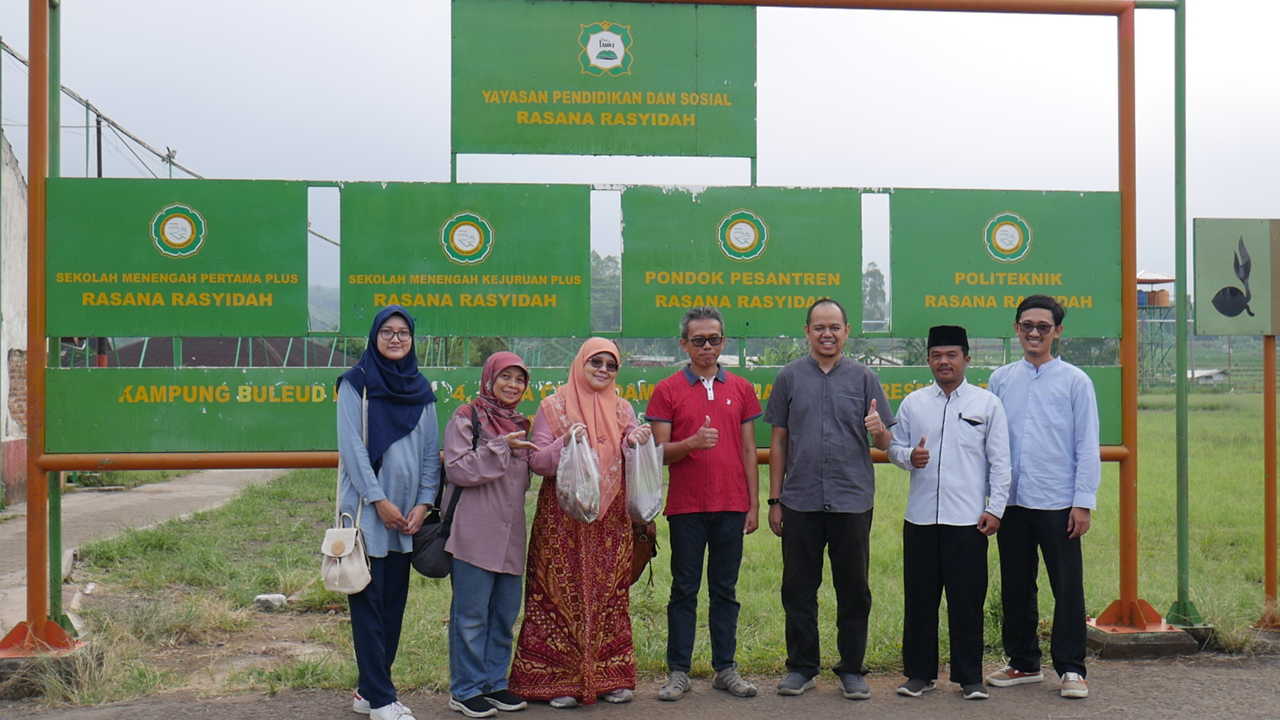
{"x": 828, "y": 452}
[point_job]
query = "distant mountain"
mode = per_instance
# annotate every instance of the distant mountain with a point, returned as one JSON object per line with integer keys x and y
{"x": 325, "y": 308}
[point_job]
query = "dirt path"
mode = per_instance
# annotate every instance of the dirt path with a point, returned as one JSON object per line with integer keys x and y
{"x": 1201, "y": 687}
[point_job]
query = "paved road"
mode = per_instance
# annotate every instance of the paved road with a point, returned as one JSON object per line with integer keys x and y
{"x": 1203, "y": 687}
{"x": 91, "y": 514}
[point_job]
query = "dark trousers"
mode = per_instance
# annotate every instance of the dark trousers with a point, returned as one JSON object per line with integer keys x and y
{"x": 718, "y": 536}
{"x": 846, "y": 537}
{"x": 1022, "y": 532}
{"x": 934, "y": 558}
{"x": 376, "y": 615}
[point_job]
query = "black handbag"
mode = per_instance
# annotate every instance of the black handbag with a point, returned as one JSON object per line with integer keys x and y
{"x": 429, "y": 556}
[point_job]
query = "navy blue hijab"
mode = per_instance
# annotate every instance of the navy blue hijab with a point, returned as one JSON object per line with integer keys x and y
{"x": 397, "y": 392}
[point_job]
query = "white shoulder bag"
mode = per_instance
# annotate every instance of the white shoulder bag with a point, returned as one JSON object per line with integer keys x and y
{"x": 345, "y": 567}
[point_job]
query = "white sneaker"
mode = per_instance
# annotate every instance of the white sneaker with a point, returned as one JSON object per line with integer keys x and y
{"x": 564, "y": 701}
{"x": 359, "y": 704}
{"x": 394, "y": 711}
{"x": 1073, "y": 686}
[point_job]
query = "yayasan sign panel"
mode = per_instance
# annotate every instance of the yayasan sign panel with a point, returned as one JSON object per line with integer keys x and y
{"x": 603, "y": 78}
{"x": 1236, "y": 262}
{"x": 760, "y": 255}
{"x": 968, "y": 257}
{"x": 272, "y": 409}
{"x": 508, "y": 260}
{"x": 130, "y": 258}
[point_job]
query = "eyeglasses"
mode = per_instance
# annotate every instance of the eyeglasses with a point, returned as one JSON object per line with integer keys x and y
{"x": 713, "y": 341}
{"x": 1043, "y": 328}
{"x": 598, "y": 363}
{"x": 388, "y": 334}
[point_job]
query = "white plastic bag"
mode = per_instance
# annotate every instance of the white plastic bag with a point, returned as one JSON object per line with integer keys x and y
{"x": 578, "y": 480}
{"x": 644, "y": 480}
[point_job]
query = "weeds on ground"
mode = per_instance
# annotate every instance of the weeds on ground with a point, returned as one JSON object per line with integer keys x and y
{"x": 127, "y": 478}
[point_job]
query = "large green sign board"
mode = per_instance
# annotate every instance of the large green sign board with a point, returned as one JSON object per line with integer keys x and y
{"x": 1236, "y": 264}
{"x": 468, "y": 259}
{"x": 595, "y": 78}
{"x": 761, "y": 255}
{"x": 968, "y": 257}
{"x": 265, "y": 409}
{"x": 210, "y": 258}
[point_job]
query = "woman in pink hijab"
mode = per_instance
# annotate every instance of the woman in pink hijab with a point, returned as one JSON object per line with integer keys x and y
{"x": 575, "y": 643}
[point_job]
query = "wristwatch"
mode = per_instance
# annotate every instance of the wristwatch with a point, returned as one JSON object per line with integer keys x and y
{"x": 774, "y": 501}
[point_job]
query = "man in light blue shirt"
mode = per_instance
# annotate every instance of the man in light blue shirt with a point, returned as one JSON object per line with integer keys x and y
{"x": 954, "y": 439}
{"x": 1053, "y": 439}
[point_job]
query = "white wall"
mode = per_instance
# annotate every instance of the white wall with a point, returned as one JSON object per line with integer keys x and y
{"x": 13, "y": 278}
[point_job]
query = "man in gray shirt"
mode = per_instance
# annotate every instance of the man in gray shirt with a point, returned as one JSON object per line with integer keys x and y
{"x": 821, "y": 493}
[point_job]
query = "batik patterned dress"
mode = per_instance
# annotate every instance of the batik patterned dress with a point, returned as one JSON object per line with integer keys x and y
{"x": 576, "y": 637}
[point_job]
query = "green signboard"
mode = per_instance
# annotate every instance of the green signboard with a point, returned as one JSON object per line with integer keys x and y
{"x": 292, "y": 409}
{"x": 1236, "y": 263}
{"x": 210, "y": 258}
{"x": 596, "y": 78}
{"x": 761, "y": 255}
{"x": 968, "y": 257}
{"x": 508, "y": 260}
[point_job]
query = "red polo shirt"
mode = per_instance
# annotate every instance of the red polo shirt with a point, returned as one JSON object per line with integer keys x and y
{"x": 706, "y": 480}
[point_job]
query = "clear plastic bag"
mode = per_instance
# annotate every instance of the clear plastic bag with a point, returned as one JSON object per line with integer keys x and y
{"x": 578, "y": 480}
{"x": 644, "y": 480}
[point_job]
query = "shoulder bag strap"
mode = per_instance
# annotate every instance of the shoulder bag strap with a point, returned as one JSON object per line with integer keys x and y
{"x": 457, "y": 489}
{"x": 364, "y": 437}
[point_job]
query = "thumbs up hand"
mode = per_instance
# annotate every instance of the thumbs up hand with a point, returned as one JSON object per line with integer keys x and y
{"x": 706, "y": 436}
{"x": 874, "y": 424}
{"x": 919, "y": 455}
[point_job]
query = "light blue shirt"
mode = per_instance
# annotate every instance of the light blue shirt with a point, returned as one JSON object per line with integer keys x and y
{"x": 967, "y": 437}
{"x": 409, "y": 476}
{"x": 1053, "y": 434}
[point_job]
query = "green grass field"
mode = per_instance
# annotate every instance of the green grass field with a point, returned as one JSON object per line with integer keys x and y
{"x": 205, "y": 569}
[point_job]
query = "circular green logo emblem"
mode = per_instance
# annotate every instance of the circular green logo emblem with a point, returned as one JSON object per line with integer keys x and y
{"x": 178, "y": 231}
{"x": 742, "y": 235}
{"x": 1007, "y": 237}
{"x": 606, "y": 49}
{"x": 467, "y": 238}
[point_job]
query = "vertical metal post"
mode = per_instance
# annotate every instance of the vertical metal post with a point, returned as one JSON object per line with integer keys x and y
{"x": 1129, "y": 610}
{"x": 99, "y": 143}
{"x": 55, "y": 171}
{"x": 37, "y": 349}
{"x": 1183, "y": 611}
{"x": 1270, "y": 617}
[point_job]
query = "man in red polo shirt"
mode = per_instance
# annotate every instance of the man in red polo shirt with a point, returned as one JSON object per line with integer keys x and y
{"x": 705, "y": 419}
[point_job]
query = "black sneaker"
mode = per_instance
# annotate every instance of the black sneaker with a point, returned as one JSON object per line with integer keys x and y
{"x": 505, "y": 700}
{"x": 915, "y": 687}
{"x": 975, "y": 691}
{"x": 853, "y": 687}
{"x": 473, "y": 707}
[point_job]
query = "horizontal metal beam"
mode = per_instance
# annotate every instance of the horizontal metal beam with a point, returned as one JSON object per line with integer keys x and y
{"x": 97, "y": 462}
{"x": 1029, "y": 7}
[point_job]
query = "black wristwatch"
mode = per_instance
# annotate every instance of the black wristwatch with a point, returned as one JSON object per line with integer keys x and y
{"x": 774, "y": 501}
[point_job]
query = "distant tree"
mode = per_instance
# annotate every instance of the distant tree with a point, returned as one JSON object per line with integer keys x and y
{"x": 606, "y": 292}
{"x": 873, "y": 297}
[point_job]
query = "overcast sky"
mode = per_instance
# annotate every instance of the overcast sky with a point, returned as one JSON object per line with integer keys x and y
{"x": 329, "y": 90}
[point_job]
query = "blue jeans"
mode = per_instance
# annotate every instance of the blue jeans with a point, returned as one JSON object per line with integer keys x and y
{"x": 376, "y": 615}
{"x": 717, "y": 535}
{"x": 485, "y": 606}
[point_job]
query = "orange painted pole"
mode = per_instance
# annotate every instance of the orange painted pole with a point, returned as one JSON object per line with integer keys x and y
{"x": 1270, "y": 617}
{"x": 1029, "y": 7}
{"x": 1129, "y": 611}
{"x": 187, "y": 461}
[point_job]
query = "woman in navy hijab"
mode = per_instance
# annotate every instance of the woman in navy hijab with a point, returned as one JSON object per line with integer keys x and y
{"x": 390, "y": 453}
